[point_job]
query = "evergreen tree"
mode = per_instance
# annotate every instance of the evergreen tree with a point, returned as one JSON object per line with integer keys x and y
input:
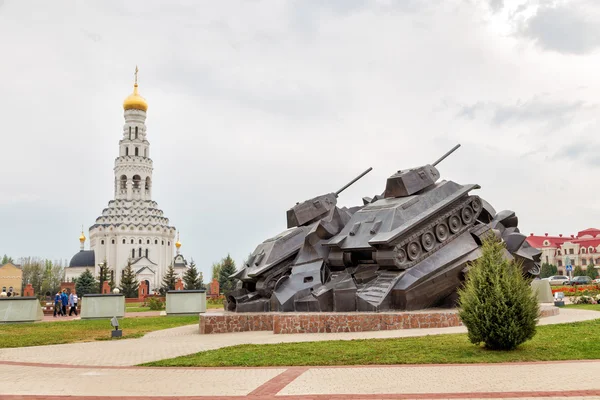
{"x": 111, "y": 283}
{"x": 86, "y": 284}
{"x": 216, "y": 268}
{"x": 548, "y": 270}
{"x": 6, "y": 259}
{"x": 497, "y": 304}
{"x": 169, "y": 280}
{"x": 227, "y": 269}
{"x": 578, "y": 271}
{"x": 201, "y": 280}
{"x": 192, "y": 279}
{"x": 129, "y": 282}
{"x": 104, "y": 274}
{"x": 591, "y": 271}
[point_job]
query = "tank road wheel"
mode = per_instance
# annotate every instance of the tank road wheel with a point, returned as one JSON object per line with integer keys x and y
{"x": 454, "y": 223}
{"x": 400, "y": 255}
{"x": 428, "y": 240}
{"x": 414, "y": 250}
{"x": 476, "y": 204}
{"x": 467, "y": 215}
{"x": 441, "y": 232}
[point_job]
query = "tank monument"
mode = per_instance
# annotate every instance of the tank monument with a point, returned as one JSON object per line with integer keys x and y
{"x": 406, "y": 249}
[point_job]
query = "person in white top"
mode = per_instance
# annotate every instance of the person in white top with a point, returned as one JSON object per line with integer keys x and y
{"x": 73, "y": 303}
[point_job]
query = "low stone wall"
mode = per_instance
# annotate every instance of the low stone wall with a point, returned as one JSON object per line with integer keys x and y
{"x": 362, "y": 322}
{"x": 282, "y": 323}
{"x": 230, "y": 322}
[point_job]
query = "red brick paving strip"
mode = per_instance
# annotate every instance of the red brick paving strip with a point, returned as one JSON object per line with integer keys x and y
{"x": 275, "y": 385}
{"x": 419, "y": 396}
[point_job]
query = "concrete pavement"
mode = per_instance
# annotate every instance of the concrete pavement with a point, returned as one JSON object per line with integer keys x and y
{"x": 105, "y": 368}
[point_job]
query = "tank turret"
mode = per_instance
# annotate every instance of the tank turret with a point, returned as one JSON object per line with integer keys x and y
{"x": 408, "y": 182}
{"x": 311, "y": 210}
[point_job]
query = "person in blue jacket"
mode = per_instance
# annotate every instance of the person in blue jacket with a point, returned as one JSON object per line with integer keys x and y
{"x": 58, "y": 304}
{"x": 64, "y": 297}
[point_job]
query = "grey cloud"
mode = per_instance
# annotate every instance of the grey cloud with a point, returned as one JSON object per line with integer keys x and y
{"x": 496, "y": 5}
{"x": 532, "y": 110}
{"x": 582, "y": 151}
{"x": 572, "y": 28}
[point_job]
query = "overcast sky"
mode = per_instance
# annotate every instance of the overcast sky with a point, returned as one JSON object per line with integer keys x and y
{"x": 255, "y": 105}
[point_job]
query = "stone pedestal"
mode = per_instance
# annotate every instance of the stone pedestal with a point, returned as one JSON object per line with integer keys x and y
{"x": 20, "y": 309}
{"x": 543, "y": 291}
{"x": 102, "y": 306}
{"x": 186, "y": 302}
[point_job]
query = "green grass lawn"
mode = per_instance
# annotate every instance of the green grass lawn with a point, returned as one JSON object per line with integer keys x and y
{"x": 576, "y": 341}
{"x": 43, "y": 333}
{"x": 593, "y": 307}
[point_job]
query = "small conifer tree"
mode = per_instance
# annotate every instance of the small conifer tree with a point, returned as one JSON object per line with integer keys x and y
{"x": 578, "y": 271}
{"x": 227, "y": 269}
{"x": 86, "y": 284}
{"x": 191, "y": 278}
{"x": 129, "y": 282}
{"x": 169, "y": 280}
{"x": 497, "y": 304}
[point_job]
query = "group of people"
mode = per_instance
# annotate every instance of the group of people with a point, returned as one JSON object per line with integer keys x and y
{"x": 62, "y": 300}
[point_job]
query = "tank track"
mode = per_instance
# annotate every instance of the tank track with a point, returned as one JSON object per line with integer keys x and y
{"x": 429, "y": 238}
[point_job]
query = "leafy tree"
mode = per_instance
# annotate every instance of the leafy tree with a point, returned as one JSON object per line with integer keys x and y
{"x": 33, "y": 273}
{"x": 548, "y": 270}
{"x": 6, "y": 259}
{"x": 497, "y": 304}
{"x": 104, "y": 274}
{"x": 227, "y": 269}
{"x": 169, "y": 280}
{"x": 129, "y": 282}
{"x": 52, "y": 278}
{"x": 578, "y": 271}
{"x": 591, "y": 271}
{"x": 86, "y": 283}
{"x": 192, "y": 279}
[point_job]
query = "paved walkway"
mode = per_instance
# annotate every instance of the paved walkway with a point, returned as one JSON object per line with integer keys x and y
{"x": 105, "y": 368}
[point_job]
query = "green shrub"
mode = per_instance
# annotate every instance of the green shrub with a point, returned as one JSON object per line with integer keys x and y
{"x": 497, "y": 304}
{"x": 155, "y": 304}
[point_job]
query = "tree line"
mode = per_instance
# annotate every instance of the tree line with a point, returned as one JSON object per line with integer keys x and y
{"x": 45, "y": 276}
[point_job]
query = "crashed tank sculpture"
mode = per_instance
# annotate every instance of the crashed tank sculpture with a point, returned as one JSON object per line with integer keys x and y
{"x": 406, "y": 249}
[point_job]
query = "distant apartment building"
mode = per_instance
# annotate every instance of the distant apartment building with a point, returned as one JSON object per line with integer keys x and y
{"x": 576, "y": 250}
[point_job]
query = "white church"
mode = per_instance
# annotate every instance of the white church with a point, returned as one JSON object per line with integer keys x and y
{"x": 132, "y": 228}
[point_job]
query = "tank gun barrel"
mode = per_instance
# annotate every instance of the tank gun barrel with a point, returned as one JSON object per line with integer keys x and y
{"x": 452, "y": 150}
{"x": 352, "y": 181}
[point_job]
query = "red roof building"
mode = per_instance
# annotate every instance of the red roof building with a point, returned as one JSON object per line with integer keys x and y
{"x": 580, "y": 250}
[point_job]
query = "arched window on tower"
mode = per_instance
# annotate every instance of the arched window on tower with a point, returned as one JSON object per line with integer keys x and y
{"x": 136, "y": 181}
{"x": 136, "y": 132}
{"x": 132, "y": 253}
{"x": 123, "y": 182}
{"x": 146, "y": 253}
{"x": 137, "y": 151}
{"x": 140, "y": 251}
{"x": 145, "y": 153}
{"x": 129, "y": 133}
{"x": 147, "y": 183}
{"x": 126, "y": 151}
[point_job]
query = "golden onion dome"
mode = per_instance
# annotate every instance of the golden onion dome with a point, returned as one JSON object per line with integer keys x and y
{"x": 178, "y": 244}
{"x": 134, "y": 101}
{"x": 82, "y": 237}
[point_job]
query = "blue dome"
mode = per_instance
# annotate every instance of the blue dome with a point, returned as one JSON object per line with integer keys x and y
{"x": 85, "y": 258}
